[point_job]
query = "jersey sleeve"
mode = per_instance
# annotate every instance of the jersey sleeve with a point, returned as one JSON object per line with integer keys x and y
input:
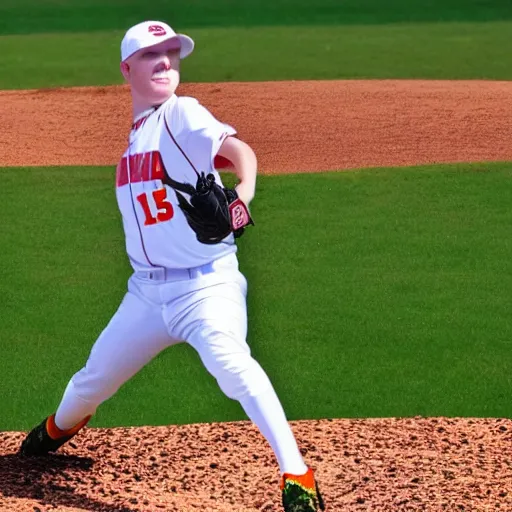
{"x": 200, "y": 133}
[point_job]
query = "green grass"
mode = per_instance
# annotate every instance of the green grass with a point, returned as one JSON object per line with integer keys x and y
{"x": 371, "y": 293}
{"x": 37, "y": 16}
{"x": 444, "y": 51}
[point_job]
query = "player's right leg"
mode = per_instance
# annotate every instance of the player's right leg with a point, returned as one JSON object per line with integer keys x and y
{"x": 135, "y": 334}
{"x": 214, "y": 323}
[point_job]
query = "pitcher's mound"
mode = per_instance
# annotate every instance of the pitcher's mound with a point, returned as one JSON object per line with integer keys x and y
{"x": 382, "y": 464}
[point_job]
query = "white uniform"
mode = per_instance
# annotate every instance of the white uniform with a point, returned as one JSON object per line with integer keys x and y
{"x": 181, "y": 289}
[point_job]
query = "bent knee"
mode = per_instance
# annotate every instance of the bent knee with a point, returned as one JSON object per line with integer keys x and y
{"x": 242, "y": 376}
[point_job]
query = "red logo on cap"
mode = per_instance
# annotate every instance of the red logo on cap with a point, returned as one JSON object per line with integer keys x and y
{"x": 157, "y": 30}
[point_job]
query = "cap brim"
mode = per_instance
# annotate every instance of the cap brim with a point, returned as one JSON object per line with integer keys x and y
{"x": 187, "y": 45}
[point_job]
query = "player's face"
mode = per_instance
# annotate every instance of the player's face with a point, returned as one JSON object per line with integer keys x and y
{"x": 154, "y": 72}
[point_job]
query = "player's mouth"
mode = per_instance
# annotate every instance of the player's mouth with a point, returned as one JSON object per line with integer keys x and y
{"x": 161, "y": 74}
{"x": 161, "y": 77}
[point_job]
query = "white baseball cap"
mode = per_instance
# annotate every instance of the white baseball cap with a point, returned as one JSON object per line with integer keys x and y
{"x": 149, "y": 33}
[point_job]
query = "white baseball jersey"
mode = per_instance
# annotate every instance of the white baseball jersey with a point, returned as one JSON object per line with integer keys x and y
{"x": 184, "y": 137}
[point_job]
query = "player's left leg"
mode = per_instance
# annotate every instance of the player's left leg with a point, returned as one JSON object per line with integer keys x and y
{"x": 216, "y": 326}
{"x": 133, "y": 337}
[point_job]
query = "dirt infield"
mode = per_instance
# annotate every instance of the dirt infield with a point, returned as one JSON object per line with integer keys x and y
{"x": 431, "y": 464}
{"x": 293, "y": 126}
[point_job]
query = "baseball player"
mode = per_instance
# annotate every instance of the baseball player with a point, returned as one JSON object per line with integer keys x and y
{"x": 180, "y": 226}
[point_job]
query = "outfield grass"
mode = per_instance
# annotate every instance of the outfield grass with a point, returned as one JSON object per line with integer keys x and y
{"x": 386, "y": 292}
{"x": 372, "y": 293}
{"x": 443, "y": 51}
{"x": 38, "y": 16}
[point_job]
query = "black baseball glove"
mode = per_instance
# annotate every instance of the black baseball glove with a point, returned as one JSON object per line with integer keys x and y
{"x": 213, "y": 212}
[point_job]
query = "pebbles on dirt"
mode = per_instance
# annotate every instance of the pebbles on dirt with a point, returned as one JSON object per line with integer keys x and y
{"x": 378, "y": 464}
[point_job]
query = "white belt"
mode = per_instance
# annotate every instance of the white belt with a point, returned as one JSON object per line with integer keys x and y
{"x": 164, "y": 274}
{"x": 183, "y": 274}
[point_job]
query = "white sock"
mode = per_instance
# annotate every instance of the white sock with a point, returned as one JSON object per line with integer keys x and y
{"x": 266, "y": 412}
{"x": 72, "y": 409}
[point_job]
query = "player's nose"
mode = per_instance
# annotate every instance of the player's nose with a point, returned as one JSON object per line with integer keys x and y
{"x": 164, "y": 64}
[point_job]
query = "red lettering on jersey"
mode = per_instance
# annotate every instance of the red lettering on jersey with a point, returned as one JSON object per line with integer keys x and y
{"x": 141, "y": 167}
{"x": 157, "y": 30}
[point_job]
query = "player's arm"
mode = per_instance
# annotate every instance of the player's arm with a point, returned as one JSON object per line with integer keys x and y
{"x": 245, "y": 163}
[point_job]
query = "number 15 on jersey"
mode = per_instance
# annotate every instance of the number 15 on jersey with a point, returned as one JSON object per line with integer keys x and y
{"x": 161, "y": 206}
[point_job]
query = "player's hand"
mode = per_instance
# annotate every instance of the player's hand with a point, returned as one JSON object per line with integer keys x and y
{"x": 213, "y": 211}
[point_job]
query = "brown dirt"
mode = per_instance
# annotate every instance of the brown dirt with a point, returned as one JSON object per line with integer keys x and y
{"x": 431, "y": 464}
{"x": 378, "y": 464}
{"x": 293, "y": 126}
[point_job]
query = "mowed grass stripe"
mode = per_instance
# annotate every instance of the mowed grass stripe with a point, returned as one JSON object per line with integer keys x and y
{"x": 39, "y": 16}
{"x": 441, "y": 51}
{"x": 382, "y": 292}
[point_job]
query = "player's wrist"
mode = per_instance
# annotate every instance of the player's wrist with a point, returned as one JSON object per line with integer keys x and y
{"x": 245, "y": 193}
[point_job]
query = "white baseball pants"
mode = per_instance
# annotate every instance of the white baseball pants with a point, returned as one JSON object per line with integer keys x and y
{"x": 205, "y": 307}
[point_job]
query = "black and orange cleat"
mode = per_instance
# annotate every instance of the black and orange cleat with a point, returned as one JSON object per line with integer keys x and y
{"x": 300, "y": 493}
{"x": 47, "y": 437}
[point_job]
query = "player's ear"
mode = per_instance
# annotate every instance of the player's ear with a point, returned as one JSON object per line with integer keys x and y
{"x": 125, "y": 70}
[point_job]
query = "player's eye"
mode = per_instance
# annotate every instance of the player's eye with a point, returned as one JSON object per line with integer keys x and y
{"x": 149, "y": 55}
